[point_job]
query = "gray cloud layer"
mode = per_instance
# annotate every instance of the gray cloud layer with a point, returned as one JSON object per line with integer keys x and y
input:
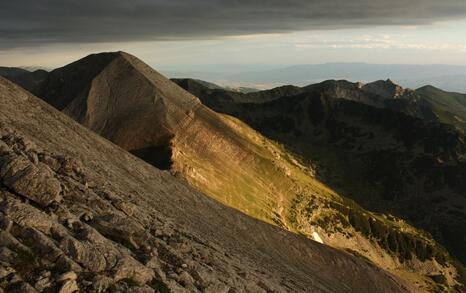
{"x": 28, "y": 22}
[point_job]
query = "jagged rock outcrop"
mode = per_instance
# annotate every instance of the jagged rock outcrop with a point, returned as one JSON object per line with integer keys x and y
{"x": 122, "y": 225}
{"x": 386, "y": 89}
{"x": 427, "y": 103}
{"x": 34, "y": 182}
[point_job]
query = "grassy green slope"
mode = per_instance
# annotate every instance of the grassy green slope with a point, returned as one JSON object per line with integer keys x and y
{"x": 268, "y": 182}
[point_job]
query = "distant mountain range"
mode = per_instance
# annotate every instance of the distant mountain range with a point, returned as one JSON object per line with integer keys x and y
{"x": 372, "y": 169}
{"x": 447, "y": 77}
{"x": 427, "y": 102}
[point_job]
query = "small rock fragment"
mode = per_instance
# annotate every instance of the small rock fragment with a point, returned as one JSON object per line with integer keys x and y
{"x": 68, "y": 276}
{"x": 186, "y": 279}
{"x": 70, "y": 286}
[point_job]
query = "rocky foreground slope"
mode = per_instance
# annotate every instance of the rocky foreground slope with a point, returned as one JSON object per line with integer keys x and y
{"x": 78, "y": 212}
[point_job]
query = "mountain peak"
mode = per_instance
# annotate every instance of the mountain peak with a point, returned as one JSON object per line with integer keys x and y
{"x": 385, "y": 88}
{"x": 389, "y": 81}
{"x": 429, "y": 88}
{"x": 97, "y": 89}
{"x": 94, "y": 63}
{"x": 110, "y": 53}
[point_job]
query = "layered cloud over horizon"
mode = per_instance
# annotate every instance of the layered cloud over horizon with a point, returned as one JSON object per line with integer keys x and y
{"x": 29, "y": 22}
{"x": 186, "y": 33}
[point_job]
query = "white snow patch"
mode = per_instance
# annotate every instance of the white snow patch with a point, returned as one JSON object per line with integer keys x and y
{"x": 317, "y": 238}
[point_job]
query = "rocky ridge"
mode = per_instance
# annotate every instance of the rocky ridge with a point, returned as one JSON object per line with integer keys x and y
{"x": 427, "y": 103}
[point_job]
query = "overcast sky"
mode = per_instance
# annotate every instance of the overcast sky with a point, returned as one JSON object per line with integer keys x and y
{"x": 195, "y": 34}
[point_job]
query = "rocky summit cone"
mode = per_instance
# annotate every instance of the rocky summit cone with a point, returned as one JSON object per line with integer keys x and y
{"x": 387, "y": 89}
{"x": 118, "y": 96}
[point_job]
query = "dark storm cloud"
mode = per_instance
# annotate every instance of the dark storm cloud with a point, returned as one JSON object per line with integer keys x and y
{"x": 27, "y": 22}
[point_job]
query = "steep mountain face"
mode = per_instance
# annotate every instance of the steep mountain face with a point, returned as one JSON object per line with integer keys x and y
{"x": 79, "y": 213}
{"x": 121, "y": 98}
{"x": 386, "y": 161}
{"x": 124, "y": 100}
{"x": 129, "y": 103}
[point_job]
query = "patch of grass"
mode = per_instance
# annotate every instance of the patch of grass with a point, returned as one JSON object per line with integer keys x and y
{"x": 159, "y": 286}
{"x": 130, "y": 282}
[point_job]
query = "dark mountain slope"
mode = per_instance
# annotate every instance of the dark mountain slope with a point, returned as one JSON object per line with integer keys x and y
{"x": 219, "y": 97}
{"x": 385, "y": 160}
{"x": 12, "y": 71}
{"x": 32, "y": 81}
{"x": 342, "y": 89}
{"x": 449, "y": 107}
{"x": 83, "y": 205}
{"x": 427, "y": 103}
{"x": 380, "y": 94}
